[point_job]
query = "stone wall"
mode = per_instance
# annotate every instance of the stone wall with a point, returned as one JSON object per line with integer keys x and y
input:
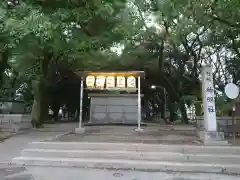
{"x": 224, "y": 124}
{"x": 13, "y": 107}
{"x": 14, "y": 123}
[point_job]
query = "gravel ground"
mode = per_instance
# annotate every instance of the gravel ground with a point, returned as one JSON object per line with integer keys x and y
{"x": 151, "y": 135}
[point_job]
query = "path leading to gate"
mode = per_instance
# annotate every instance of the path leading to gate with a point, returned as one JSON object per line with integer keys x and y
{"x": 13, "y": 146}
{"x": 156, "y": 148}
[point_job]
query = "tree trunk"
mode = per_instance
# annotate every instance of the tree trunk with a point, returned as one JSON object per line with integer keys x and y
{"x": 3, "y": 64}
{"x": 55, "y": 108}
{"x": 42, "y": 88}
{"x": 35, "y": 112}
{"x": 183, "y": 111}
{"x": 44, "y": 107}
{"x": 40, "y": 107}
{"x": 171, "y": 112}
{"x": 198, "y": 109}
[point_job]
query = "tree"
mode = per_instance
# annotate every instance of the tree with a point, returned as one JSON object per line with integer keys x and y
{"x": 170, "y": 40}
{"x": 53, "y": 36}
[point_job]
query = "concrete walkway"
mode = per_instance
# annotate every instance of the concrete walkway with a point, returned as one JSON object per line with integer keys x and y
{"x": 13, "y": 146}
{"x": 51, "y": 173}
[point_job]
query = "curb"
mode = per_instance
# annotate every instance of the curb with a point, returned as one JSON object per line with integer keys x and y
{"x": 117, "y": 164}
{"x": 57, "y": 136}
{"x": 13, "y": 134}
{"x": 63, "y": 134}
{"x": 31, "y": 130}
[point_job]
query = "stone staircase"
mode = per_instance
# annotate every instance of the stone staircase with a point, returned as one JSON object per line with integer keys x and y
{"x": 153, "y": 157}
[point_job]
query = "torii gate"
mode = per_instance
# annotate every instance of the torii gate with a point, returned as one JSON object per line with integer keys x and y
{"x": 112, "y": 81}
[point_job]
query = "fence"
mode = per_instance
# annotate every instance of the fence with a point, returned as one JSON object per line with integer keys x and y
{"x": 224, "y": 124}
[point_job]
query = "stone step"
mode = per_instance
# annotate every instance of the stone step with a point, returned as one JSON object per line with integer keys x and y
{"x": 188, "y": 149}
{"x": 133, "y": 155}
{"x": 127, "y": 164}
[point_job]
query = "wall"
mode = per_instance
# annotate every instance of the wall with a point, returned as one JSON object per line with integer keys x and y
{"x": 114, "y": 108}
{"x": 13, "y": 107}
{"x": 222, "y": 121}
{"x": 224, "y": 124}
{"x": 14, "y": 122}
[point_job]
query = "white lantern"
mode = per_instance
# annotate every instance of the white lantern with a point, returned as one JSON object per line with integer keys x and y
{"x": 110, "y": 82}
{"x": 131, "y": 82}
{"x": 90, "y": 80}
{"x": 121, "y": 82}
{"x": 100, "y": 82}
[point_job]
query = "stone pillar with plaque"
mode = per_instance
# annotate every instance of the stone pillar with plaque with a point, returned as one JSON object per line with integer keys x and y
{"x": 209, "y": 135}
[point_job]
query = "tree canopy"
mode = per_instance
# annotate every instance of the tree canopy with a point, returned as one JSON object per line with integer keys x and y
{"x": 43, "y": 42}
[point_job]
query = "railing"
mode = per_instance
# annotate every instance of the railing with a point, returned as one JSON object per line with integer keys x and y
{"x": 227, "y": 124}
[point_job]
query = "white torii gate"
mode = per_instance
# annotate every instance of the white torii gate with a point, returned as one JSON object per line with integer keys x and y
{"x": 81, "y": 129}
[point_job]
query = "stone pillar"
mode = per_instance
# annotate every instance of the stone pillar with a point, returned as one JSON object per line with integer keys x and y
{"x": 210, "y": 135}
{"x": 210, "y": 122}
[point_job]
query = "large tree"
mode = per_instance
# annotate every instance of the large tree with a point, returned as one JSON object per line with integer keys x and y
{"x": 169, "y": 40}
{"x": 52, "y": 36}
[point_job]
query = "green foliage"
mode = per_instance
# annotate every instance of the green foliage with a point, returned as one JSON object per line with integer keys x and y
{"x": 46, "y": 41}
{"x": 222, "y": 106}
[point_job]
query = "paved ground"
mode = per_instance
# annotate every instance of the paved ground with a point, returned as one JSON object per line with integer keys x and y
{"x": 12, "y": 147}
{"x": 49, "y": 173}
{"x": 235, "y": 142}
{"x": 3, "y": 136}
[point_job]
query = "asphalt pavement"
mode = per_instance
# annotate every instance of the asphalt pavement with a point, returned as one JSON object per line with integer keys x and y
{"x": 54, "y": 173}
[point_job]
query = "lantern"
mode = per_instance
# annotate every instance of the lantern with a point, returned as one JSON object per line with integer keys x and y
{"x": 121, "y": 82}
{"x": 90, "y": 80}
{"x": 100, "y": 82}
{"x": 131, "y": 82}
{"x": 110, "y": 82}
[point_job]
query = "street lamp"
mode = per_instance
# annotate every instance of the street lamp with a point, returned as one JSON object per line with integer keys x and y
{"x": 153, "y": 87}
{"x": 165, "y": 98}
